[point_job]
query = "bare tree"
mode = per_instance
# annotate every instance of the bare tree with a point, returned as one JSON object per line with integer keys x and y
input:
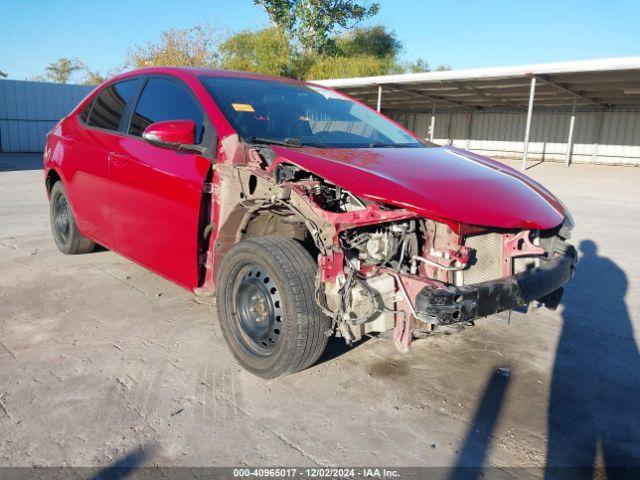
{"x": 93, "y": 77}
{"x": 189, "y": 47}
{"x": 62, "y": 69}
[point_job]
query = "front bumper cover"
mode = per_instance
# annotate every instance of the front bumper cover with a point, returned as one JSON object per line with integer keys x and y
{"x": 460, "y": 304}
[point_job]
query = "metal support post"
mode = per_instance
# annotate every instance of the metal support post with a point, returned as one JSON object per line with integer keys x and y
{"x": 469, "y": 129}
{"x": 433, "y": 123}
{"x": 532, "y": 94}
{"x": 572, "y": 122}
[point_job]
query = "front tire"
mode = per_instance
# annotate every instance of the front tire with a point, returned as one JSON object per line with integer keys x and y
{"x": 266, "y": 306}
{"x": 63, "y": 225}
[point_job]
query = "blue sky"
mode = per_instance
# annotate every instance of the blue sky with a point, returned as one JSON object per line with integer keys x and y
{"x": 460, "y": 33}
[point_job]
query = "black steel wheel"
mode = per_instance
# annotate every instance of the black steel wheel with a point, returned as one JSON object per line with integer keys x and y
{"x": 257, "y": 320}
{"x": 63, "y": 225}
{"x": 266, "y": 306}
{"x": 61, "y": 221}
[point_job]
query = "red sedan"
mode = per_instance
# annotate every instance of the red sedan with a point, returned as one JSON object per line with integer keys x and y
{"x": 305, "y": 212}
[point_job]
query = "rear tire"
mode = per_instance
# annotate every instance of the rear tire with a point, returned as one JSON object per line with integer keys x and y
{"x": 266, "y": 306}
{"x": 63, "y": 225}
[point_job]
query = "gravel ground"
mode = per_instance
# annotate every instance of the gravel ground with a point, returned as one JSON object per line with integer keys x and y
{"x": 100, "y": 358}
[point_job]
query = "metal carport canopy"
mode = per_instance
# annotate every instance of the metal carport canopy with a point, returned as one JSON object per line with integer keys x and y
{"x": 603, "y": 84}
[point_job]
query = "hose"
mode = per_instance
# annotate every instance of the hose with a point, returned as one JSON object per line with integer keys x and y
{"x": 437, "y": 265}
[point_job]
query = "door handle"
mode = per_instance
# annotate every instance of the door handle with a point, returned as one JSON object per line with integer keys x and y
{"x": 118, "y": 159}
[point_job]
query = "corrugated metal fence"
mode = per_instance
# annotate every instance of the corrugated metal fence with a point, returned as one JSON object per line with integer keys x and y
{"x": 28, "y": 110}
{"x": 611, "y": 137}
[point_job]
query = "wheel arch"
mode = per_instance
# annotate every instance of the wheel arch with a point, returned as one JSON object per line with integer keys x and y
{"x": 269, "y": 222}
{"x": 52, "y": 177}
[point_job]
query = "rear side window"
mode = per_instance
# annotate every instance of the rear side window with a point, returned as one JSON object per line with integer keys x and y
{"x": 163, "y": 99}
{"x": 84, "y": 115}
{"x": 109, "y": 105}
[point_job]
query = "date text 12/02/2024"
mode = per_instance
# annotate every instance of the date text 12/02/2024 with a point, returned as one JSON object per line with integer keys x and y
{"x": 316, "y": 472}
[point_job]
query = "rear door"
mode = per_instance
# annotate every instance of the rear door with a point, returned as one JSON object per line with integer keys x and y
{"x": 156, "y": 192}
{"x": 87, "y": 157}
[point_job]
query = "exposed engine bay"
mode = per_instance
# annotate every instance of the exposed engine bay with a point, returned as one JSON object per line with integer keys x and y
{"x": 384, "y": 270}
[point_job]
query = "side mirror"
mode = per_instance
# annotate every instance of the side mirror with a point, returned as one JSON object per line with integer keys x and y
{"x": 174, "y": 135}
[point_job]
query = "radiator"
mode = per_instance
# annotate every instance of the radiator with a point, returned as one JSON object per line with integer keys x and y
{"x": 486, "y": 259}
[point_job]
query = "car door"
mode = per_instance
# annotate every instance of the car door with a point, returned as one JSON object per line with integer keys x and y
{"x": 157, "y": 192}
{"x": 86, "y": 157}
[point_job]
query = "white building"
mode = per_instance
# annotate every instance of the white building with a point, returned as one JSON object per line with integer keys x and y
{"x": 583, "y": 111}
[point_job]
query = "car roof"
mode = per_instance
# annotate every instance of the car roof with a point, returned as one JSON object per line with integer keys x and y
{"x": 202, "y": 72}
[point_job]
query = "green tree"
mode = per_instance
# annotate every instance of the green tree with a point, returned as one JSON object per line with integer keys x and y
{"x": 365, "y": 51}
{"x": 189, "y": 47}
{"x": 61, "y": 70}
{"x": 443, "y": 68}
{"x": 264, "y": 51}
{"x": 419, "y": 65}
{"x": 375, "y": 41}
{"x": 3, "y": 75}
{"x": 312, "y": 23}
{"x": 361, "y": 52}
{"x": 345, "y": 67}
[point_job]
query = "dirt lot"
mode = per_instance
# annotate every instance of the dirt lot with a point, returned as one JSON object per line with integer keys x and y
{"x": 100, "y": 358}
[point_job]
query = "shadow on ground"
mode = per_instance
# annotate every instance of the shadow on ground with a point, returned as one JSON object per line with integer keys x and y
{"x": 471, "y": 459}
{"x": 594, "y": 404}
{"x": 127, "y": 465}
{"x": 337, "y": 347}
{"x": 594, "y": 407}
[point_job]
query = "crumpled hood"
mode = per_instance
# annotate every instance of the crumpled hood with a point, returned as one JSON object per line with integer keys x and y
{"x": 442, "y": 183}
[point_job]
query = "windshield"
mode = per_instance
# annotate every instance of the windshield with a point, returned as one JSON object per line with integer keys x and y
{"x": 267, "y": 111}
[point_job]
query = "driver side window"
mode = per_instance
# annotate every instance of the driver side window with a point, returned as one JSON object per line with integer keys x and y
{"x": 163, "y": 99}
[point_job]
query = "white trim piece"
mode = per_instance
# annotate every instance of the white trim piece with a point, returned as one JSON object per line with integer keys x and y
{"x": 581, "y": 66}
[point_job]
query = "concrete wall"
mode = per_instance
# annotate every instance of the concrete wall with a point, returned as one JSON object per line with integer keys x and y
{"x": 599, "y": 137}
{"x": 28, "y": 110}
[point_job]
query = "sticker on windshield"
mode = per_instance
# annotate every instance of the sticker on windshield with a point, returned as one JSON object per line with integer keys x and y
{"x": 242, "y": 107}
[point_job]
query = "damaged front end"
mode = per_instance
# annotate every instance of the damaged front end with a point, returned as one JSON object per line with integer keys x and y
{"x": 419, "y": 276}
{"x": 386, "y": 270}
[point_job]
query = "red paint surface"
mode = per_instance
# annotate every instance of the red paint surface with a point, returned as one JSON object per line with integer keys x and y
{"x": 440, "y": 183}
{"x": 144, "y": 201}
{"x": 174, "y": 131}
